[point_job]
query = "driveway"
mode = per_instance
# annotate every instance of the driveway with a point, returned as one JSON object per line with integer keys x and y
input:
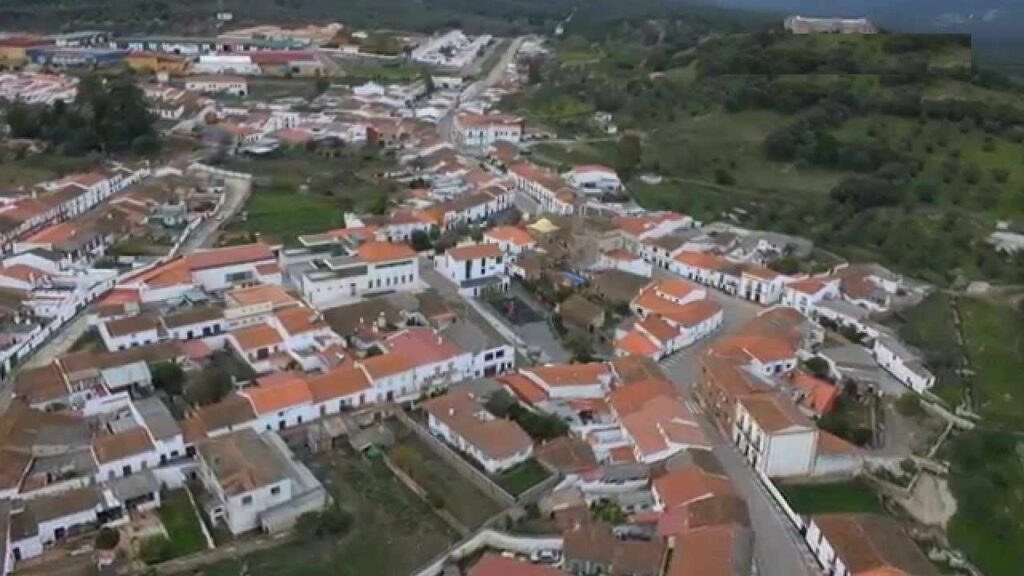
{"x": 779, "y": 549}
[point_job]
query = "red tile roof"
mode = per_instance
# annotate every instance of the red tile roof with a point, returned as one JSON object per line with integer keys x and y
{"x": 569, "y": 374}
{"x": 637, "y": 343}
{"x": 228, "y": 256}
{"x": 495, "y": 437}
{"x": 495, "y": 565}
{"x": 255, "y": 337}
{"x": 278, "y": 392}
{"x": 422, "y": 346}
{"x": 384, "y": 252}
{"x": 686, "y": 485}
{"x": 122, "y": 445}
{"x": 474, "y": 252}
{"x": 338, "y": 383}
{"x": 511, "y": 234}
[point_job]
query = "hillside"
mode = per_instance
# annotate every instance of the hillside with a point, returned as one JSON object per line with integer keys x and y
{"x": 882, "y": 147}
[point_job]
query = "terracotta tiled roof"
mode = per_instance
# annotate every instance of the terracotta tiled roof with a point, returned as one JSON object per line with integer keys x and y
{"x": 278, "y": 392}
{"x": 703, "y": 260}
{"x": 512, "y": 235}
{"x": 255, "y": 337}
{"x": 821, "y": 394}
{"x": 474, "y": 252}
{"x": 338, "y": 383}
{"x": 422, "y": 346}
{"x": 635, "y": 368}
{"x": 638, "y": 344}
{"x": 232, "y": 410}
{"x": 632, "y": 397}
{"x": 497, "y": 438}
{"x": 775, "y": 412}
{"x": 873, "y": 545}
{"x": 713, "y": 551}
{"x": 132, "y": 325}
{"x": 385, "y": 252}
{"x": 122, "y": 445}
{"x": 218, "y": 257}
{"x": 261, "y": 294}
{"x": 386, "y": 365}
{"x": 686, "y": 485}
{"x": 808, "y": 285}
{"x": 42, "y": 384}
{"x": 524, "y": 388}
{"x": 299, "y": 320}
{"x": 569, "y": 374}
{"x": 568, "y": 455}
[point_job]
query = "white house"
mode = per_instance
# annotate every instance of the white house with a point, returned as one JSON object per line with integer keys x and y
{"x": 904, "y": 364}
{"x": 567, "y": 381}
{"x": 511, "y": 239}
{"x": 374, "y": 268}
{"x": 195, "y": 323}
{"x": 124, "y": 453}
{"x": 625, "y": 261}
{"x": 246, "y": 475}
{"x": 281, "y": 400}
{"x": 258, "y": 345}
{"x": 593, "y": 179}
{"x": 496, "y": 444}
{"x": 220, "y": 268}
{"x": 805, "y": 294}
{"x": 475, "y": 268}
{"x": 761, "y": 285}
{"x": 864, "y": 544}
{"x": 774, "y": 436}
{"x": 482, "y": 130}
{"x": 339, "y": 389}
{"x": 130, "y": 332}
{"x": 232, "y": 85}
{"x": 544, "y": 187}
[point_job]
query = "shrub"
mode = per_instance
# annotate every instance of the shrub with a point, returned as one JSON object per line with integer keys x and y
{"x": 435, "y": 500}
{"x": 909, "y": 405}
{"x": 155, "y": 550}
{"x": 107, "y": 538}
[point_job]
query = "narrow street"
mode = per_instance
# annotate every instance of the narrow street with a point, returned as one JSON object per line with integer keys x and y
{"x": 779, "y": 549}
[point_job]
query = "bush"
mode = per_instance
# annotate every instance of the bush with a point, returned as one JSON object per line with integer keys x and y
{"x": 435, "y": 500}
{"x": 724, "y": 178}
{"x": 332, "y": 522}
{"x": 107, "y": 538}
{"x": 818, "y": 366}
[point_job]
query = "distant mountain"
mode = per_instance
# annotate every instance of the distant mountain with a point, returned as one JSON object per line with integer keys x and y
{"x": 985, "y": 19}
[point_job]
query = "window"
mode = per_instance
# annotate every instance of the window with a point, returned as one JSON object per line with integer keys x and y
{"x": 275, "y": 490}
{"x": 246, "y": 500}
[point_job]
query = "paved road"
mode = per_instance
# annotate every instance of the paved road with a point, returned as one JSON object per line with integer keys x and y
{"x": 779, "y": 551}
{"x": 235, "y": 196}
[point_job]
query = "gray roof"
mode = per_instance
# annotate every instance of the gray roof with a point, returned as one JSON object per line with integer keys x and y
{"x": 157, "y": 418}
{"x": 844, "y": 308}
{"x": 850, "y": 356}
{"x": 127, "y": 375}
{"x": 470, "y": 338}
{"x": 134, "y": 486}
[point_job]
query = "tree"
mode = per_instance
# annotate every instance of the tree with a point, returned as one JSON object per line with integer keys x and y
{"x": 107, "y": 538}
{"x": 818, "y": 366}
{"x": 421, "y": 241}
{"x": 169, "y": 377}
{"x": 724, "y": 177}
{"x": 628, "y": 155}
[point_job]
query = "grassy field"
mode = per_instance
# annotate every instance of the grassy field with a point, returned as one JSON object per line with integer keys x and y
{"x": 285, "y": 214}
{"x": 699, "y": 147}
{"x": 463, "y": 499}
{"x": 522, "y": 477}
{"x": 995, "y": 340}
{"x": 34, "y": 169}
{"x": 182, "y": 524}
{"x": 563, "y": 156}
{"x": 845, "y": 497}
{"x": 930, "y": 326}
{"x": 393, "y": 532}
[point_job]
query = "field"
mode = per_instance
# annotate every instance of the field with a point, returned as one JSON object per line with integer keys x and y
{"x": 285, "y": 214}
{"x": 393, "y": 532}
{"x": 463, "y": 499}
{"x": 31, "y": 170}
{"x": 847, "y": 497}
{"x": 182, "y": 524}
{"x": 995, "y": 340}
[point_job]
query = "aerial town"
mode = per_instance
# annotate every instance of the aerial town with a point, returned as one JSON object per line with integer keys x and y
{"x": 332, "y": 309}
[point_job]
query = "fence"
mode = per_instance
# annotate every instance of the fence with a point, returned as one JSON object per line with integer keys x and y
{"x": 487, "y": 538}
{"x": 478, "y": 478}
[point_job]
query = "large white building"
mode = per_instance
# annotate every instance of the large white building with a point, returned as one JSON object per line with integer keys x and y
{"x": 774, "y": 436}
{"x": 593, "y": 179}
{"x": 482, "y": 130}
{"x": 374, "y": 268}
{"x": 255, "y": 481}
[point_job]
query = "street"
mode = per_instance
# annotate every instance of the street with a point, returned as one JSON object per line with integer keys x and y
{"x": 779, "y": 549}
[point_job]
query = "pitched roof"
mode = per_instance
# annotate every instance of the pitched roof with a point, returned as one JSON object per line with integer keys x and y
{"x": 132, "y": 325}
{"x": 474, "y": 252}
{"x": 510, "y": 234}
{"x": 496, "y": 437}
{"x": 632, "y": 397}
{"x": 42, "y": 384}
{"x": 261, "y": 294}
{"x": 569, "y": 374}
{"x": 299, "y": 320}
{"x": 596, "y": 543}
{"x": 254, "y": 337}
{"x": 227, "y": 256}
{"x": 122, "y": 445}
{"x": 231, "y": 411}
{"x": 724, "y": 550}
{"x": 241, "y": 461}
{"x": 384, "y": 252}
{"x": 635, "y": 368}
{"x": 567, "y": 454}
{"x": 277, "y": 392}
{"x": 422, "y": 346}
{"x": 687, "y": 485}
{"x": 386, "y": 365}
{"x": 663, "y": 423}
{"x": 578, "y": 310}
{"x": 821, "y": 395}
{"x": 636, "y": 343}
{"x": 338, "y": 383}
{"x": 195, "y": 315}
{"x": 870, "y": 544}
{"x": 775, "y": 412}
